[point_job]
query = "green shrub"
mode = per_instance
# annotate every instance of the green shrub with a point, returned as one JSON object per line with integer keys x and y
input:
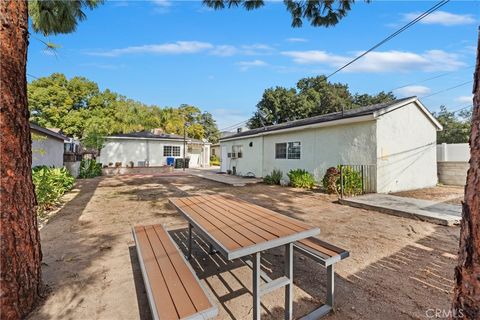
{"x": 50, "y": 185}
{"x": 274, "y": 177}
{"x": 352, "y": 181}
{"x": 300, "y": 178}
{"x": 90, "y": 169}
{"x": 331, "y": 180}
{"x": 214, "y": 160}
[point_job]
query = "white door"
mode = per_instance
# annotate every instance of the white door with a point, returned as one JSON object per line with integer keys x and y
{"x": 223, "y": 159}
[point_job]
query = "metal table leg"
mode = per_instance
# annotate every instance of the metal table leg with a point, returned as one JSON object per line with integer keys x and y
{"x": 256, "y": 286}
{"x": 289, "y": 286}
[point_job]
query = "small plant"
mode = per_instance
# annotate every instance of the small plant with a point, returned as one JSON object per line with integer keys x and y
{"x": 273, "y": 178}
{"x": 50, "y": 185}
{"x": 300, "y": 178}
{"x": 352, "y": 181}
{"x": 331, "y": 180}
{"x": 90, "y": 169}
{"x": 214, "y": 160}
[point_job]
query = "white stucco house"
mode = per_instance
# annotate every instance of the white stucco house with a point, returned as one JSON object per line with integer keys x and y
{"x": 47, "y": 147}
{"x": 397, "y": 138}
{"x": 150, "y": 149}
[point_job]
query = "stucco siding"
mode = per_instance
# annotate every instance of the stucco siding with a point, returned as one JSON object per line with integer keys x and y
{"x": 47, "y": 151}
{"x": 251, "y": 161}
{"x": 406, "y": 150}
{"x": 126, "y": 150}
{"x": 321, "y": 148}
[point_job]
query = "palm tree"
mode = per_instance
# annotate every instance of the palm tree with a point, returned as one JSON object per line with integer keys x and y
{"x": 20, "y": 261}
{"x": 466, "y": 301}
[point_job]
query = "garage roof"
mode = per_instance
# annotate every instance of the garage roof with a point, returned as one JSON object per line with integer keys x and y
{"x": 372, "y": 110}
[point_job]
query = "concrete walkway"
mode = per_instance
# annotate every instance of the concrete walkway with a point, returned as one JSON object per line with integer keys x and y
{"x": 214, "y": 175}
{"x": 435, "y": 212}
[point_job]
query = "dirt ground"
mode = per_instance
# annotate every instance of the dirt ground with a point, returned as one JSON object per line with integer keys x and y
{"x": 397, "y": 269}
{"x": 447, "y": 194}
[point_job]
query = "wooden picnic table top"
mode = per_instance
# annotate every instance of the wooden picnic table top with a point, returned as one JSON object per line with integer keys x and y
{"x": 238, "y": 228}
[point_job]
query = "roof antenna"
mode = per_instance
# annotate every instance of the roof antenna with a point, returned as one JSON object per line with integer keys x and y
{"x": 262, "y": 115}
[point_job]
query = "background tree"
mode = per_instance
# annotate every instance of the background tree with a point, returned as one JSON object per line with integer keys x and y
{"x": 324, "y": 13}
{"x": 312, "y": 96}
{"x": 20, "y": 268}
{"x": 212, "y": 134}
{"x": 466, "y": 299}
{"x": 456, "y": 129}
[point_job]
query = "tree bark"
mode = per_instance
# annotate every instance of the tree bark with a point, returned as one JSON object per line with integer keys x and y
{"x": 466, "y": 301}
{"x": 20, "y": 261}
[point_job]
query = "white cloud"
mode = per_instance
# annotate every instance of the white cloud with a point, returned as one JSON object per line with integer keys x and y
{"x": 296, "y": 40}
{"x": 465, "y": 99}
{"x": 412, "y": 91}
{"x": 256, "y": 49}
{"x": 245, "y": 65}
{"x": 162, "y": 3}
{"x": 383, "y": 61}
{"x": 224, "y": 50}
{"x": 179, "y": 47}
{"x": 442, "y": 18}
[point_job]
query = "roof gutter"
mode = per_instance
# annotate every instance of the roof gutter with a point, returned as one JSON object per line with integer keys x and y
{"x": 338, "y": 122}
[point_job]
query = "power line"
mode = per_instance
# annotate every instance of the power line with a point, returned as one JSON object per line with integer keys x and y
{"x": 234, "y": 125}
{"x": 393, "y": 35}
{"x": 431, "y": 78}
{"x": 446, "y": 89}
{"x": 32, "y": 76}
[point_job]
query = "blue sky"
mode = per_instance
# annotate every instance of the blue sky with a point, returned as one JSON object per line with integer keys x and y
{"x": 172, "y": 52}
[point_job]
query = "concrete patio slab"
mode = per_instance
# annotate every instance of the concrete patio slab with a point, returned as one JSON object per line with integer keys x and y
{"x": 425, "y": 210}
{"x": 214, "y": 175}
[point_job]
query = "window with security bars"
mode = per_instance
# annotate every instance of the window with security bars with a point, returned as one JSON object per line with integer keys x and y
{"x": 171, "y": 151}
{"x": 294, "y": 150}
{"x": 281, "y": 150}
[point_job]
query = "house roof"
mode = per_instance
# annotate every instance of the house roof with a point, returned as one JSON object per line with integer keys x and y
{"x": 53, "y": 134}
{"x": 152, "y": 136}
{"x": 347, "y": 116}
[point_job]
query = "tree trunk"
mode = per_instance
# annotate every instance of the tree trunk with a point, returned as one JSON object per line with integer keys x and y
{"x": 466, "y": 301}
{"x": 20, "y": 273}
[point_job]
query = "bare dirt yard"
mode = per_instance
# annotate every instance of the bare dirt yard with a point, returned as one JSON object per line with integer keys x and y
{"x": 398, "y": 268}
{"x": 447, "y": 194}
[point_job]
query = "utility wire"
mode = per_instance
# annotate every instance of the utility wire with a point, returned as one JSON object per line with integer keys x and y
{"x": 431, "y": 78}
{"x": 446, "y": 89}
{"x": 32, "y": 76}
{"x": 393, "y": 35}
{"x": 234, "y": 125}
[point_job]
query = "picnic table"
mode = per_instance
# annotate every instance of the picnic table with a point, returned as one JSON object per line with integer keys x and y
{"x": 236, "y": 229}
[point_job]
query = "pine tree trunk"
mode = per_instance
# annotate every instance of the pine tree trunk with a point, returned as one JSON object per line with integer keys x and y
{"x": 20, "y": 273}
{"x": 466, "y": 301}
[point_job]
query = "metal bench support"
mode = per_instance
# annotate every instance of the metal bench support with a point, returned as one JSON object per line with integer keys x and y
{"x": 270, "y": 285}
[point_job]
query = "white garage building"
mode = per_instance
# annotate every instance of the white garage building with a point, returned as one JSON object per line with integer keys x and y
{"x": 398, "y": 139}
{"x": 149, "y": 149}
{"x": 47, "y": 147}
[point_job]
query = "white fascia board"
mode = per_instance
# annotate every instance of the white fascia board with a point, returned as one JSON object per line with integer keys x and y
{"x": 415, "y": 100}
{"x": 306, "y": 127}
{"x": 151, "y": 139}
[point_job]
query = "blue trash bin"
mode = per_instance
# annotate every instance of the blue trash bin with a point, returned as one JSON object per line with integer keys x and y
{"x": 170, "y": 161}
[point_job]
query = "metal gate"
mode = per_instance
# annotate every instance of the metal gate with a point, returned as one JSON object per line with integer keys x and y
{"x": 357, "y": 179}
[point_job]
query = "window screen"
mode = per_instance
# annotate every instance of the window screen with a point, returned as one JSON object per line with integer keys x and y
{"x": 171, "y": 151}
{"x": 280, "y": 151}
{"x": 294, "y": 150}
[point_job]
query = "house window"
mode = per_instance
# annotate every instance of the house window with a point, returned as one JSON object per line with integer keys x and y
{"x": 238, "y": 151}
{"x": 280, "y": 150}
{"x": 294, "y": 150}
{"x": 213, "y": 152}
{"x": 171, "y": 151}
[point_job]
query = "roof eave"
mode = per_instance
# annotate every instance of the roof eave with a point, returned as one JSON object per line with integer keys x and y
{"x": 337, "y": 122}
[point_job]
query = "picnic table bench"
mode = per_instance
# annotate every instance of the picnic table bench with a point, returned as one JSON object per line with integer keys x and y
{"x": 236, "y": 229}
{"x": 327, "y": 255}
{"x": 173, "y": 289}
